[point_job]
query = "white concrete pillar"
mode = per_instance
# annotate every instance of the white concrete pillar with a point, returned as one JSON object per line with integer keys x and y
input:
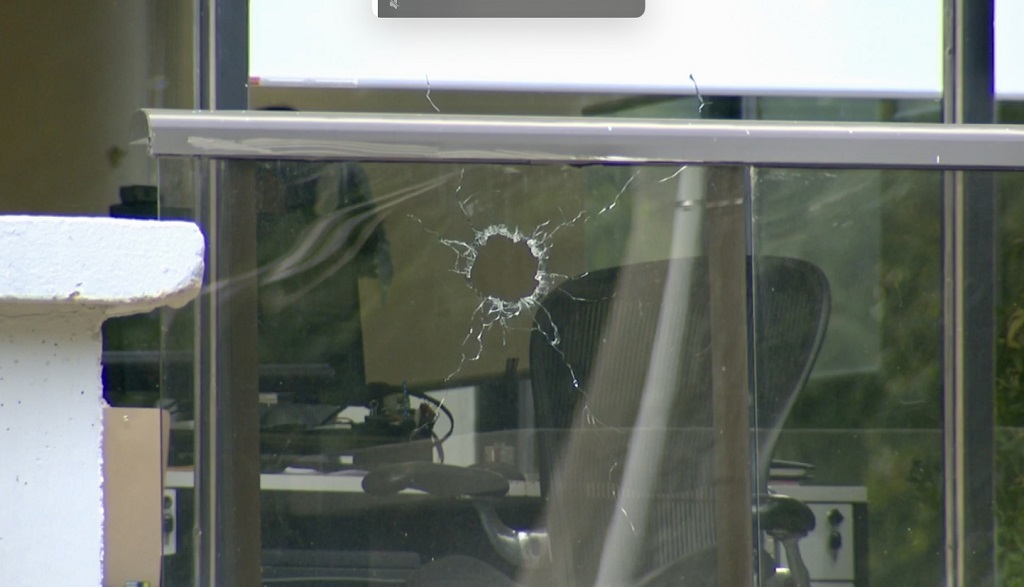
{"x": 59, "y": 279}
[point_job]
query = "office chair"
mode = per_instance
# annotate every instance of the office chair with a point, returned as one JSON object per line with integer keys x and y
{"x": 789, "y": 318}
{"x": 589, "y": 356}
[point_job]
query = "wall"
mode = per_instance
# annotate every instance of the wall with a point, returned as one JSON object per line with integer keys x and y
{"x": 50, "y": 414}
{"x": 73, "y": 73}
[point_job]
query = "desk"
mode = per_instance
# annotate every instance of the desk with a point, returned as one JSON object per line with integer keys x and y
{"x": 350, "y": 482}
{"x": 316, "y": 501}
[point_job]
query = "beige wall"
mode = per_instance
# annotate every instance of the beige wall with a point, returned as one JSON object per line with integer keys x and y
{"x": 72, "y": 75}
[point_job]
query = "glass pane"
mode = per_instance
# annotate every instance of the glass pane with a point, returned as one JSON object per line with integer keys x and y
{"x": 522, "y": 373}
{"x": 179, "y": 181}
{"x": 477, "y": 372}
{"x": 1009, "y": 380}
{"x": 863, "y": 446}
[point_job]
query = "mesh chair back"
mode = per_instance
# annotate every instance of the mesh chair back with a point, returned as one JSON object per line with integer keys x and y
{"x": 790, "y": 309}
{"x": 589, "y": 359}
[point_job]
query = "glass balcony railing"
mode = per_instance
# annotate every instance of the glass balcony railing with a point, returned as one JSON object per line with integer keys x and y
{"x": 546, "y": 351}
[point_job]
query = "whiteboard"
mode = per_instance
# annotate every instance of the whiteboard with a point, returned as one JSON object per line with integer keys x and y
{"x": 870, "y": 48}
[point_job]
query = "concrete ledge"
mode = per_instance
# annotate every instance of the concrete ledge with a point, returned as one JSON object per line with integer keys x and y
{"x": 59, "y": 278}
{"x": 118, "y": 266}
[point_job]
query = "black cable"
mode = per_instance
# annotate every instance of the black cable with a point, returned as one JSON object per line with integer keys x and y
{"x": 440, "y": 406}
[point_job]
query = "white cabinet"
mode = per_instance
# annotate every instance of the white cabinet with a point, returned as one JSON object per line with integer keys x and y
{"x": 836, "y": 551}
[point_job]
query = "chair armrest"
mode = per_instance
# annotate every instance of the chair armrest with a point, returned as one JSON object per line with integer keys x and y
{"x": 436, "y": 479}
{"x": 781, "y": 516}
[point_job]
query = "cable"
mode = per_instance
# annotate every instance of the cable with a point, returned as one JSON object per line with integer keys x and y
{"x": 451, "y": 423}
{"x": 441, "y": 407}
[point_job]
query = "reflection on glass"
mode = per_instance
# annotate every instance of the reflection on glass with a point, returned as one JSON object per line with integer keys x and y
{"x": 870, "y": 419}
{"x": 1009, "y": 391}
{"x": 317, "y": 233}
{"x": 507, "y": 374}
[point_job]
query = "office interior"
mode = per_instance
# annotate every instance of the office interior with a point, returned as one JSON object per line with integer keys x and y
{"x": 382, "y": 329}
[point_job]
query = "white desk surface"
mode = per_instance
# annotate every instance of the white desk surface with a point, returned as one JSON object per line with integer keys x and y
{"x": 342, "y": 482}
{"x": 351, "y": 482}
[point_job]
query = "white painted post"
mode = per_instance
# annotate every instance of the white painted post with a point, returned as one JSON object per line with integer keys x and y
{"x": 60, "y": 277}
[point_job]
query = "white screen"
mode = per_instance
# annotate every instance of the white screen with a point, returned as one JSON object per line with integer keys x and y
{"x": 742, "y": 47}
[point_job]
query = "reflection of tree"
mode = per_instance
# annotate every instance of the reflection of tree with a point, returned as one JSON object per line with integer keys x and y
{"x": 911, "y": 283}
{"x": 1009, "y": 400}
{"x": 886, "y": 428}
{"x": 904, "y": 476}
{"x": 906, "y": 492}
{"x": 882, "y": 429}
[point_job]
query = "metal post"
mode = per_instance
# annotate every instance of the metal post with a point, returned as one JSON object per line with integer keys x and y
{"x": 227, "y": 481}
{"x": 969, "y": 307}
{"x": 222, "y": 63}
{"x": 727, "y": 263}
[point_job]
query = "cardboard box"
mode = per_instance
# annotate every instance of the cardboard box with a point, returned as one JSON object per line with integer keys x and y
{"x": 134, "y": 459}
